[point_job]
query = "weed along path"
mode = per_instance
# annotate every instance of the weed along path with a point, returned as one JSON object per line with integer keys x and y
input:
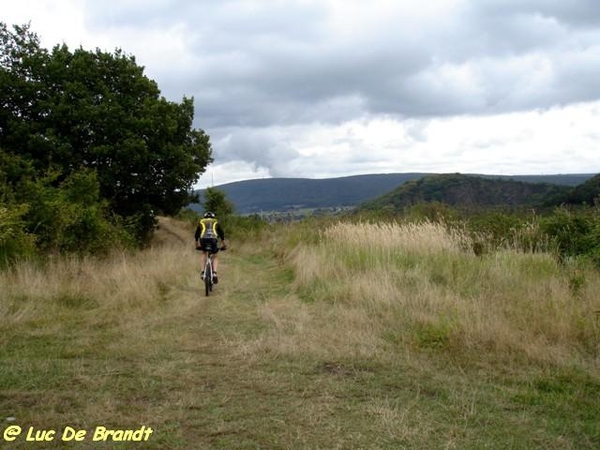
{"x": 295, "y": 349}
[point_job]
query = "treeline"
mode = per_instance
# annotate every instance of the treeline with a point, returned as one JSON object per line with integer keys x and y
{"x": 90, "y": 152}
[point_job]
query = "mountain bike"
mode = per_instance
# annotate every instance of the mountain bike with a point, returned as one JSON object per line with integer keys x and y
{"x": 208, "y": 275}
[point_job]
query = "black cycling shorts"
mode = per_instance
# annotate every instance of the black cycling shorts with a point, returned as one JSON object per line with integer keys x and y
{"x": 209, "y": 245}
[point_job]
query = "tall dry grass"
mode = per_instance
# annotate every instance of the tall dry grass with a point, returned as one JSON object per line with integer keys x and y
{"x": 376, "y": 289}
{"x": 112, "y": 288}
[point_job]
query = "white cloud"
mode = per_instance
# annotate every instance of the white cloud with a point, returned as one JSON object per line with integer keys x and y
{"x": 230, "y": 172}
{"x": 56, "y": 22}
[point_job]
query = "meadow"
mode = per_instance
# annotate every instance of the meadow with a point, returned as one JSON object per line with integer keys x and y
{"x": 321, "y": 335}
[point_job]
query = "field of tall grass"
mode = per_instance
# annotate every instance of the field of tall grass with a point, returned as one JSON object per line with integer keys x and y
{"x": 39, "y": 292}
{"x": 319, "y": 335}
{"x": 386, "y": 286}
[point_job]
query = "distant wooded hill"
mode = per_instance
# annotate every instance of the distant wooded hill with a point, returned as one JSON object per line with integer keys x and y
{"x": 587, "y": 192}
{"x": 284, "y": 194}
{"x": 469, "y": 192}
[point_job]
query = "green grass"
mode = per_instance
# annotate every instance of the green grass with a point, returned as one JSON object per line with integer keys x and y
{"x": 269, "y": 362}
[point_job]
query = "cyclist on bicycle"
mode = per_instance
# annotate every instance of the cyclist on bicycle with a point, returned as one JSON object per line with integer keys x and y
{"x": 207, "y": 232}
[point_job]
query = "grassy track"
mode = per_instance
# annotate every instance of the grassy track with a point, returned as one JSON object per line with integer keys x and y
{"x": 278, "y": 358}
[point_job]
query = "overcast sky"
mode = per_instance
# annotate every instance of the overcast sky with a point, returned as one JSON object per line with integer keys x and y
{"x": 328, "y": 88}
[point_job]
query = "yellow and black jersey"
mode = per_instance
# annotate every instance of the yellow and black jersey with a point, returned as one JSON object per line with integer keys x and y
{"x": 209, "y": 228}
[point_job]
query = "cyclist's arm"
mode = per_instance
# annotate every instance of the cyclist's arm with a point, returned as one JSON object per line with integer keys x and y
{"x": 221, "y": 234}
{"x": 197, "y": 235}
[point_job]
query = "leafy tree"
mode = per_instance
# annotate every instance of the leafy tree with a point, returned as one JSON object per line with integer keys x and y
{"x": 586, "y": 193}
{"x": 66, "y": 111}
{"x": 13, "y": 171}
{"x": 216, "y": 201}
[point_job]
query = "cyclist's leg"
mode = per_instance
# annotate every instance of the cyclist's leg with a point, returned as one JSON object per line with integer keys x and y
{"x": 215, "y": 262}
{"x": 206, "y": 248}
{"x": 215, "y": 248}
{"x": 204, "y": 260}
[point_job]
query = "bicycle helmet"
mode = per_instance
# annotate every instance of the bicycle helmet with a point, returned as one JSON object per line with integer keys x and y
{"x": 209, "y": 215}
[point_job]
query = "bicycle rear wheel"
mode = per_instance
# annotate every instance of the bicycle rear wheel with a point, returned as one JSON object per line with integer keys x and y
{"x": 207, "y": 286}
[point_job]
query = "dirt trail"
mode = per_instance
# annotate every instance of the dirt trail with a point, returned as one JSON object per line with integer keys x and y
{"x": 170, "y": 232}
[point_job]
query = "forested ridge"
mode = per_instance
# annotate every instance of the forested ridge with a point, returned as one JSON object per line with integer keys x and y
{"x": 90, "y": 152}
{"x": 471, "y": 192}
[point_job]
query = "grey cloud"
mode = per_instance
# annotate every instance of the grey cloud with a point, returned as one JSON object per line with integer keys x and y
{"x": 264, "y": 63}
{"x": 574, "y": 13}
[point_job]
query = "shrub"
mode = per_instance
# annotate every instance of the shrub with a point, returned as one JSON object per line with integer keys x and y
{"x": 575, "y": 232}
{"x": 71, "y": 217}
{"x": 14, "y": 239}
{"x": 244, "y": 227}
{"x": 433, "y": 212}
